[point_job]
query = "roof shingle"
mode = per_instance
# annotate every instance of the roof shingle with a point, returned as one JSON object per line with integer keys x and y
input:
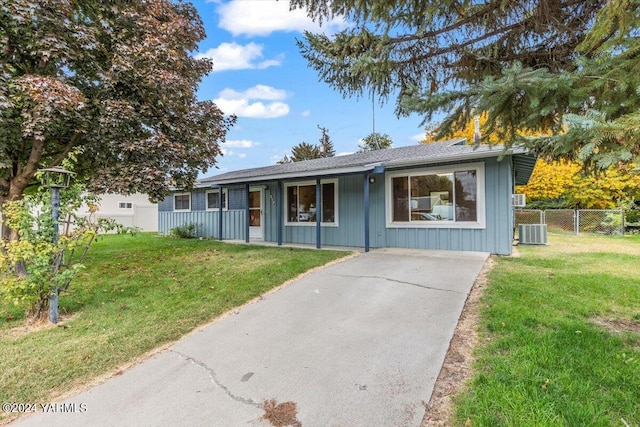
{"x": 414, "y": 154}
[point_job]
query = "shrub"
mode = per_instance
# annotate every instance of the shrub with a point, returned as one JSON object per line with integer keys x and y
{"x": 632, "y": 216}
{"x": 186, "y": 231}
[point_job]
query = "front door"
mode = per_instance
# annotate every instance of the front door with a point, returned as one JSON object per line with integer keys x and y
{"x": 255, "y": 213}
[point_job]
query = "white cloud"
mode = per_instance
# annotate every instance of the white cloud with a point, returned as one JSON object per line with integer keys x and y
{"x": 226, "y": 152}
{"x": 240, "y": 103}
{"x": 240, "y": 143}
{"x": 256, "y": 110}
{"x": 419, "y": 137}
{"x": 242, "y": 155}
{"x": 233, "y": 56}
{"x": 257, "y": 92}
{"x": 275, "y": 158}
{"x": 261, "y": 18}
{"x": 306, "y": 113}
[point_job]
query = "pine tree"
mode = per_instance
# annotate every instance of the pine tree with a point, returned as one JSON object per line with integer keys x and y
{"x": 565, "y": 67}
{"x": 306, "y": 151}
{"x": 375, "y": 141}
{"x": 326, "y": 146}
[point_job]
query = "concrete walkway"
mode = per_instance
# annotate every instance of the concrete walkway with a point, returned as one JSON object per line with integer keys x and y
{"x": 358, "y": 343}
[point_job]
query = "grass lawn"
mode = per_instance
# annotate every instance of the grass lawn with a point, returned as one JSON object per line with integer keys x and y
{"x": 560, "y": 337}
{"x": 137, "y": 293}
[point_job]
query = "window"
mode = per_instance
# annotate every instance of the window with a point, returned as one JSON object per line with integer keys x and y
{"x": 182, "y": 202}
{"x": 125, "y": 205}
{"x": 437, "y": 198}
{"x": 300, "y": 203}
{"x": 212, "y": 199}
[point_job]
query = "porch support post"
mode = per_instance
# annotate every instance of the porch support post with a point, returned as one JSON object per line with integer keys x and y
{"x": 366, "y": 212}
{"x": 279, "y": 212}
{"x": 318, "y": 213}
{"x": 247, "y": 213}
{"x": 220, "y": 213}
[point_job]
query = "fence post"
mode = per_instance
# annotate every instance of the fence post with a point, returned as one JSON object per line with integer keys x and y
{"x": 542, "y": 217}
{"x": 577, "y": 221}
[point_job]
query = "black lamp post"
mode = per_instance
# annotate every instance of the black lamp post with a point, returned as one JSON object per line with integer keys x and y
{"x": 55, "y": 179}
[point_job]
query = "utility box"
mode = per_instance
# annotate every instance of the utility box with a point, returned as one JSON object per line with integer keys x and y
{"x": 532, "y": 234}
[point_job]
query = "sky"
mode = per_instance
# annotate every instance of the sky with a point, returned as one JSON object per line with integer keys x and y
{"x": 259, "y": 75}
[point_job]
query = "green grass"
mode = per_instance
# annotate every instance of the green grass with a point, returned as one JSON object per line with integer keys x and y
{"x": 546, "y": 359}
{"x": 137, "y": 293}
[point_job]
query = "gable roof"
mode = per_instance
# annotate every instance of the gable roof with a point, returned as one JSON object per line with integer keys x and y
{"x": 420, "y": 154}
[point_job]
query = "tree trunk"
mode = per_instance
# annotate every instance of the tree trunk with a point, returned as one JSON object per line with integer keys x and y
{"x": 17, "y": 185}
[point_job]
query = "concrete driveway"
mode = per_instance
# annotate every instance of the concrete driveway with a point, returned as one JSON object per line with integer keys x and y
{"x": 358, "y": 343}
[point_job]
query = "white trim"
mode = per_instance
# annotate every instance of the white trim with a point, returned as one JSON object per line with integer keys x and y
{"x": 480, "y": 223}
{"x": 336, "y": 199}
{"x": 174, "y": 202}
{"x": 225, "y": 199}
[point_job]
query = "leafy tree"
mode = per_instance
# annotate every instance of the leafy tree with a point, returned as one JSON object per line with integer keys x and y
{"x": 467, "y": 132}
{"x": 561, "y": 66}
{"x": 375, "y": 141}
{"x": 563, "y": 184}
{"x": 115, "y": 78}
{"x": 550, "y": 180}
{"x": 306, "y": 151}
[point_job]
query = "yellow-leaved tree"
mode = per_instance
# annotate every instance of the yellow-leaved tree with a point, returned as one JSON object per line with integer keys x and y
{"x": 565, "y": 182}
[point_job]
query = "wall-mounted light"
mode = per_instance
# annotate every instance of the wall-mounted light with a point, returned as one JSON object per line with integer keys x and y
{"x": 372, "y": 180}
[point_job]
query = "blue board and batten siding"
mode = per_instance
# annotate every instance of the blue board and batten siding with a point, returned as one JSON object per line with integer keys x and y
{"x": 350, "y": 229}
{"x": 496, "y": 237}
{"x": 207, "y": 222}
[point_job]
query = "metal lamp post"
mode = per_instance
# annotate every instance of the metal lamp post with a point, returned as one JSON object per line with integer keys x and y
{"x": 55, "y": 179}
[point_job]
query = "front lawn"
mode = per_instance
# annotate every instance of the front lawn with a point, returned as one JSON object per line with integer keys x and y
{"x": 137, "y": 293}
{"x": 560, "y": 334}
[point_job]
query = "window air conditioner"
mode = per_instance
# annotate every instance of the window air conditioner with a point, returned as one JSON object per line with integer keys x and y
{"x": 518, "y": 200}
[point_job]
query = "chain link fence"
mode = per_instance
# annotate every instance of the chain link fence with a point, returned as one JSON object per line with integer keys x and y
{"x": 599, "y": 221}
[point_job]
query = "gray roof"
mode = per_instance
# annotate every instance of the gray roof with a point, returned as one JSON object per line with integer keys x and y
{"x": 419, "y": 154}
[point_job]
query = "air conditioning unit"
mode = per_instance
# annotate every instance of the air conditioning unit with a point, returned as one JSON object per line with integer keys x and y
{"x": 518, "y": 200}
{"x": 532, "y": 234}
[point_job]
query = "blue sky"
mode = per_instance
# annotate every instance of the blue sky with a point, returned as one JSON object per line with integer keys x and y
{"x": 260, "y": 76}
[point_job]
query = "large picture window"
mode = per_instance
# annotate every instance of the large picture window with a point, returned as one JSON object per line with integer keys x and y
{"x": 437, "y": 198}
{"x": 212, "y": 199}
{"x": 182, "y": 202}
{"x": 300, "y": 203}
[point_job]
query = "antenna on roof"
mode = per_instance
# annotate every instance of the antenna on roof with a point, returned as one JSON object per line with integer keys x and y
{"x": 373, "y": 118}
